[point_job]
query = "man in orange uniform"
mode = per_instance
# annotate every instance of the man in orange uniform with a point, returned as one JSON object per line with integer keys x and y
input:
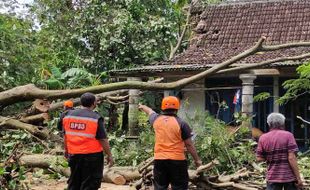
{"x": 86, "y": 140}
{"x": 172, "y": 134}
{"x": 68, "y": 105}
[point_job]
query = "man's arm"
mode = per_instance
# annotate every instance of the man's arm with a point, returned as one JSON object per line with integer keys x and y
{"x": 260, "y": 151}
{"x": 106, "y": 148}
{"x": 260, "y": 159}
{"x": 146, "y": 109}
{"x": 103, "y": 139}
{"x": 59, "y": 124}
{"x": 293, "y": 163}
{"x": 192, "y": 150}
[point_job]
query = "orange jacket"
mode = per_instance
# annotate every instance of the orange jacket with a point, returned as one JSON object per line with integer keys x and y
{"x": 80, "y": 134}
{"x": 168, "y": 139}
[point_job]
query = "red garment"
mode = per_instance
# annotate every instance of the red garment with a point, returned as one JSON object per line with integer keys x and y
{"x": 274, "y": 146}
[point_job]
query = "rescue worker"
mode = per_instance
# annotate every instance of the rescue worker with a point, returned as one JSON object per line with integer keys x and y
{"x": 68, "y": 105}
{"x": 86, "y": 140}
{"x": 172, "y": 134}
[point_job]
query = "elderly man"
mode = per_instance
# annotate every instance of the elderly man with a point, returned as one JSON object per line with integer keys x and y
{"x": 278, "y": 148}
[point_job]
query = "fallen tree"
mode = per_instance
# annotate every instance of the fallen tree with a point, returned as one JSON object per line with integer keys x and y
{"x": 116, "y": 175}
{"x": 30, "y": 92}
{"x": 143, "y": 174}
{"x": 6, "y": 122}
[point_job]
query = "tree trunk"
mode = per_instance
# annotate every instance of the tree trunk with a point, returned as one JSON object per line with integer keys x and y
{"x": 111, "y": 176}
{"x": 112, "y": 117}
{"x": 116, "y": 175}
{"x": 125, "y": 117}
{"x": 13, "y": 123}
{"x": 34, "y": 119}
{"x": 31, "y": 92}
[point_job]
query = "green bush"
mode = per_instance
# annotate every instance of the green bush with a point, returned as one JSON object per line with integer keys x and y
{"x": 214, "y": 141}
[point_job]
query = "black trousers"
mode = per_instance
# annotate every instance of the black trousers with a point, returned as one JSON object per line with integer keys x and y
{"x": 281, "y": 186}
{"x": 170, "y": 171}
{"x": 86, "y": 171}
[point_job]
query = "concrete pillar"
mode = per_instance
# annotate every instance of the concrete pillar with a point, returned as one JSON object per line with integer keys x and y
{"x": 167, "y": 93}
{"x": 275, "y": 94}
{"x": 133, "y": 111}
{"x": 247, "y": 93}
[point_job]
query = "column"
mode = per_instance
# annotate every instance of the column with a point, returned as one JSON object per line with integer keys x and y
{"x": 247, "y": 93}
{"x": 275, "y": 94}
{"x": 133, "y": 111}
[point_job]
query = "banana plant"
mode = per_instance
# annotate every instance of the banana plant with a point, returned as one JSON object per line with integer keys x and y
{"x": 53, "y": 78}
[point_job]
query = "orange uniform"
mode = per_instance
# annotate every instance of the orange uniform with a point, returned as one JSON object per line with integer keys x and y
{"x": 168, "y": 139}
{"x": 80, "y": 133}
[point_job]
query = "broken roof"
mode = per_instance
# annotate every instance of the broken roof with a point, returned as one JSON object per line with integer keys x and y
{"x": 226, "y": 30}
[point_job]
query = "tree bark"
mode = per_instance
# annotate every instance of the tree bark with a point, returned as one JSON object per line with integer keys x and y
{"x": 125, "y": 117}
{"x": 116, "y": 175}
{"x": 35, "y": 118}
{"x": 77, "y": 102}
{"x": 111, "y": 176}
{"x": 31, "y": 92}
{"x": 13, "y": 123}
{"x": 112, "y": 117}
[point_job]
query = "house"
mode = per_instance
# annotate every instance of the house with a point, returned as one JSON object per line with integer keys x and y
{"x": 224, "y": 30}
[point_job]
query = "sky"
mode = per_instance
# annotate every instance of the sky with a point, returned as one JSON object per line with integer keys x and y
{"x": 20, "y": 9}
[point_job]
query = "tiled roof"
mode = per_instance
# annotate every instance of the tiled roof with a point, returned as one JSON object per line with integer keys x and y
{"x": 225, "y": 30}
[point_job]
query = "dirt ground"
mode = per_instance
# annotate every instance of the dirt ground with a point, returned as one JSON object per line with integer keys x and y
{"x": 61, "y": 185}
{"x": 52, "y": 184}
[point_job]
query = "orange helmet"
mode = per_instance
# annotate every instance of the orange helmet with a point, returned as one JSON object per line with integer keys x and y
{"x": 68, "y": 104}
{"x": 170, "y": 102}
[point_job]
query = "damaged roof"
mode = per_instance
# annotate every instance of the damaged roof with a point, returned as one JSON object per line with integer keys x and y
{"x": 225, "y": 30}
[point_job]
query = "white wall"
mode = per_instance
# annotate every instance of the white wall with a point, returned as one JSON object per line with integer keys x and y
{"x": 192, "y": 101}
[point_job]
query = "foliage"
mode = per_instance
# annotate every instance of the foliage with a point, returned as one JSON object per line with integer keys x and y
{"x": 297, "y": 87}
{"x": 93, "y": 36}
{"x": 12, "y": 173}
{"x": 17, "y": 44}
{"x": 213, "y": 140}
{"x": 110, "y": 34}
{"x": 130, "y": 152}
{"x": 72, "y": 78}
{"x": 262, "y": 96}
{"x": 304, "y": 166}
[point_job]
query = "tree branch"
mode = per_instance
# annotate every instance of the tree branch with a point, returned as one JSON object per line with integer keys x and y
{"x": 180, "y": 39}
{"x": 284, "y": 46}
{"x": 117, "y": 98}
{"x": 116, "y": 103}
{"x": 265, "y": 63}
{"x": 77, "y": 101}
{"x": 303, "y": 120}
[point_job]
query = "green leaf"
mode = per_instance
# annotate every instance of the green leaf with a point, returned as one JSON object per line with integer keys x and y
{"x": 56, "y": 73}
{"x": 54, "y": 83}
{"x": 262, "y": 96}
{"x": 2, "y": 171}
